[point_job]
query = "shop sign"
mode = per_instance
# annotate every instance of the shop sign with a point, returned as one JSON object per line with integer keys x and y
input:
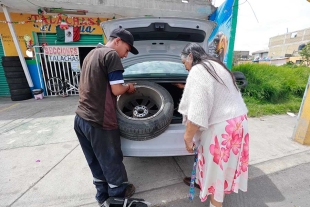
{"x": 62, "y": 54}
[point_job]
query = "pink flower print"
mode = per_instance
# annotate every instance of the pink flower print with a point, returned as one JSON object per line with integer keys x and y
{"x": 246, "y": 145}
{"x": 225, "y": 184}
{"x": 215, "y": 151}
{"x": 234, "y": 126}
{"x": 202, "y": 161}
{"x": 244, "y": 161}
{"x": 237, "y": 174}
{"x": 236, "y": 143}
{"x": 219, "y": 154}
{"x": 204, "y": 198}
{"x": 235, "y": 186}
{"x": 227, "y": 140}
{"x": 225, "y": 154}
{"x": 211, "y": 190}
{"x": 201, "y": 174}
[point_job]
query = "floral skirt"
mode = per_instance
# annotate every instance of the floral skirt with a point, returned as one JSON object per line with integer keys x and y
{"x": 223, "y": 156}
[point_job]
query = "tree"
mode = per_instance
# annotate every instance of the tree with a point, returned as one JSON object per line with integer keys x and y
{"x": 305, "y": 53}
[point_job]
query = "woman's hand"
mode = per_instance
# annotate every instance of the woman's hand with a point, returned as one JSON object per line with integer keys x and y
{"x": 190, "y": 132}
{"x": 189, "y": 144}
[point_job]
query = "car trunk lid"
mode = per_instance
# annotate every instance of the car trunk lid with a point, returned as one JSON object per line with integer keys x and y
{"x": 161, "y": 39}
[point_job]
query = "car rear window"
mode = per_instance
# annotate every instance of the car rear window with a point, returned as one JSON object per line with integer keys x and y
{"x": 156, "y": 68}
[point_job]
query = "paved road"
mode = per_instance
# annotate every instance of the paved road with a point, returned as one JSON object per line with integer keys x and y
{"x": 42, "y": 163}
{"x": 286, "y": 188}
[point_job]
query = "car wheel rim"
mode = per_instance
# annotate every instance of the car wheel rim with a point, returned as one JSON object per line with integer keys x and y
{"x": 144, "y": 104}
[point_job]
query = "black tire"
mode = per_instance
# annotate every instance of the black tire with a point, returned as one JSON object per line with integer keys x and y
{"x": 16, "y": 80}
{"x": 13, "y": 86}
{"x": 11, "y": 64}
{"x": 242, "y": 83}
{"x": 10, "y": 58}
{"x": 15, "y": 75}
{"x": 13, "y": 69}
{"x": 21, "y": 97}
{"x": 13, "y": 58}
{"x": 21, "y": 91}
{"x": 55, "y": 85}
{"x": 239, "y": 75}
{"x": 140, "y": 129}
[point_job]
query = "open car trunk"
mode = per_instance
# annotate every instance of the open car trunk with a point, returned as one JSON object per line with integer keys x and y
{"x": 161, "y": 39}
{"x": 148, "y": 112}
{"x": 175, "y": 92}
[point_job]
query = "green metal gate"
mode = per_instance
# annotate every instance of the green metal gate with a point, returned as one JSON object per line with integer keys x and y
{"x": 4, "y": 87}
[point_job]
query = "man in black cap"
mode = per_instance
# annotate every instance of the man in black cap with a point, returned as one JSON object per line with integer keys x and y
{"x": 101, "y": 81}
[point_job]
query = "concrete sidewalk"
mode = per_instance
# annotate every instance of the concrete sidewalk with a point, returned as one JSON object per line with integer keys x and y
{"x": 42, "y": 163}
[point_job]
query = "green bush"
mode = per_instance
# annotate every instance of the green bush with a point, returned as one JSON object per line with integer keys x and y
{"x": 274, "y": 84}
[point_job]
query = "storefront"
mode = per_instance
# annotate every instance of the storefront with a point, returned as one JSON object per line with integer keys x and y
{"x": 4, "y": 88}
{"x": 43, "y": 31}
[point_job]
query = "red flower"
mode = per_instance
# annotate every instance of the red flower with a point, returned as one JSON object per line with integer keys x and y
{"x": 219, "y": 154}
{"x": 236, "y": 143}
{"x": 234, "y": 126}
{"x": 227, "y": 140}
{"x": 211, "y": 190}
{"x": 246, "y": 144}
{"x": 244, "y": 161}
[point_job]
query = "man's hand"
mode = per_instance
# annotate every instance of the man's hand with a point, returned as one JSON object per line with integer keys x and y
{"x": 179, "y": 85}
{"x": 120, "y": 89}
{"x": 131, "y": 88}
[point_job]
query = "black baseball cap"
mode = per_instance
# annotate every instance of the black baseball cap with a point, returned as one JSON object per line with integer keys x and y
{"x": 125, "y": 36}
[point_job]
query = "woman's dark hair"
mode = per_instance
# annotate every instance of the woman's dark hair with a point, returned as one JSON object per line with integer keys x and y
{"x": 200, "y": 57}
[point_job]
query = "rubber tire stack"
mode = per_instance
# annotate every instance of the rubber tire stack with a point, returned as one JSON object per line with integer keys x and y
{"x": 16, "y": 78}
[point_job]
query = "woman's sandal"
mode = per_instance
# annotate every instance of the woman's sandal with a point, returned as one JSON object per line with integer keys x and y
{"x": 187, "y": 181}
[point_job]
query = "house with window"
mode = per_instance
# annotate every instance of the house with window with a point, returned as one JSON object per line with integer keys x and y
{"x": 287, "y": 46}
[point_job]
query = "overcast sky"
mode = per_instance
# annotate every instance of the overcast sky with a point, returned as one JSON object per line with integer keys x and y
{"x": 274, "y": 18}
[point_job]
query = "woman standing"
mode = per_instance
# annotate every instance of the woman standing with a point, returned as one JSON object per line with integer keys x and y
{"x": 216, "y": 123}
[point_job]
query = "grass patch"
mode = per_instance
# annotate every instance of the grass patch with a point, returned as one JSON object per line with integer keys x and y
{"x": 273, "y": 89}
{"x": 260, "y": 108}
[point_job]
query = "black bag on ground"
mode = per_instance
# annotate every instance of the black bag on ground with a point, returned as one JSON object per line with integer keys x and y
{"x": 125, "y": 202}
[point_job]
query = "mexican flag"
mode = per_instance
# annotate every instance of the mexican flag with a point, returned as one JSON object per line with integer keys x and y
{"x": 71, "y": 34}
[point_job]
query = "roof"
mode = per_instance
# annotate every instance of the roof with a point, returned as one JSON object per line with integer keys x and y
{"x": 260, "y": 51}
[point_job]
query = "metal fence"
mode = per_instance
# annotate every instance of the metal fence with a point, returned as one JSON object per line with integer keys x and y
{"x": 57, "y": 70}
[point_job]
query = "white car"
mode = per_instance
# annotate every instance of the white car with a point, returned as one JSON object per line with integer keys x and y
{"x": 149, "y": 122}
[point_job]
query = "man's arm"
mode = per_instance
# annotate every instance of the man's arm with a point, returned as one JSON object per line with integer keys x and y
{"x": 117, "y": 83}
{"x": 119, "y": 89}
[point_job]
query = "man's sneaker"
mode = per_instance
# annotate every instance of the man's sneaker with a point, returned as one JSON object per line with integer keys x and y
{"x": 130, "y": 190}
{"x": 102, "y": 204}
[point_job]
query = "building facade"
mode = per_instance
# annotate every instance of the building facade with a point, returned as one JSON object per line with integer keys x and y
{"x": 286, "y": 45}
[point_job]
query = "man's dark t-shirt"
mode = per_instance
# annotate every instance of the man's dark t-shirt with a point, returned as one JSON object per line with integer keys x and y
{"x": 97, "y": 103}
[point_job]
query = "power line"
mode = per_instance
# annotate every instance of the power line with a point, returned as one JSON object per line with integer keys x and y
{"x": 252, "y": 10}
{"x": 243, "y": 2}
{"x": 33, "y": 3}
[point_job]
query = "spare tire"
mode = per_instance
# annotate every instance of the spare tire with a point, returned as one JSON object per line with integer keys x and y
{"x": 146, "y": 113}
